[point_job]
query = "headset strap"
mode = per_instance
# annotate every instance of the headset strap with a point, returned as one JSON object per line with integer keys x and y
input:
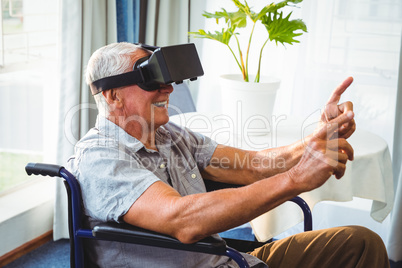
{"x": 116, "y": 81}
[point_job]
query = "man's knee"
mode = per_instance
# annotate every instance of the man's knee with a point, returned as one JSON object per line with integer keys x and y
{"x": 360, "y": 235}
{"x": 367, "y": 245}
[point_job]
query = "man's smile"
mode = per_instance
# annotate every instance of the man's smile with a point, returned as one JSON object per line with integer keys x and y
{"x": 160, "y": 103}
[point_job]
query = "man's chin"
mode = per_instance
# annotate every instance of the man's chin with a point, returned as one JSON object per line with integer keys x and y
{"x": 160, "y": 121}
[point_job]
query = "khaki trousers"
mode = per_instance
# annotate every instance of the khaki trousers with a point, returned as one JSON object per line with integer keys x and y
{"x": 342, "y": 247}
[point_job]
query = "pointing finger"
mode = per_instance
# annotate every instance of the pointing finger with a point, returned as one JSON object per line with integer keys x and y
{"x": 336, "y": 94}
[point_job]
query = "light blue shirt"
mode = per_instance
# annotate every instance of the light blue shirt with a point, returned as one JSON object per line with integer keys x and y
{"x": 114, "y": 169}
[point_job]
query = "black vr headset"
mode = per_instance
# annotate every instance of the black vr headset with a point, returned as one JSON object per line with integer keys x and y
{"x": 166, "y": 65}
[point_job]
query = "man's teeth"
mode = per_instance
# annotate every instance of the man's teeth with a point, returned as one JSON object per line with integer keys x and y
{"x": 160, "y": 104}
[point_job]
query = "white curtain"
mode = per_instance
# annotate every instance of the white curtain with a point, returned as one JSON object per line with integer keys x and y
{"x": 166, "y": 22}
{"x": 395, "y": 238}
{"x": 86, "y": 25}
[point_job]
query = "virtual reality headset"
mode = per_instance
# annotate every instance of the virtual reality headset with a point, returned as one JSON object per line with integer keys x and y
{"x": 166, "y": 65}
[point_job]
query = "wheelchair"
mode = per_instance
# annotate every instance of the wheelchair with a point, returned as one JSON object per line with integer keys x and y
{"x": 126, "y": 233}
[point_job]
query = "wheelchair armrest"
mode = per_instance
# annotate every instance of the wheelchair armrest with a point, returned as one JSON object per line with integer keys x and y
{"x": 131, "y": 234}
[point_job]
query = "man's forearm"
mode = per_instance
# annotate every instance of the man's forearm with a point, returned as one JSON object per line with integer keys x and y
{"x": 232, "y": 165}
{"x": 281, "y": 159}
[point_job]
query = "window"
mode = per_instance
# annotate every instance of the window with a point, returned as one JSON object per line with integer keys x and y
{"x": 28, "y": 57}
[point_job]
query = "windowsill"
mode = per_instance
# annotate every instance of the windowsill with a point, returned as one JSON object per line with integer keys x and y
{"x": 26, "y": 214}
{"x": 26, "y": 198}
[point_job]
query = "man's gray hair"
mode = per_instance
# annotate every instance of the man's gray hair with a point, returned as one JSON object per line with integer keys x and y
{"x": 113, "y": 59}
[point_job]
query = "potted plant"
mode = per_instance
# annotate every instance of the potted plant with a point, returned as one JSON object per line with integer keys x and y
{"x": 280, "y": 29}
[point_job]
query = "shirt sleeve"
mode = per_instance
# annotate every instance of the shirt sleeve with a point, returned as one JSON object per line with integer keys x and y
{"x": 111, "y": 181}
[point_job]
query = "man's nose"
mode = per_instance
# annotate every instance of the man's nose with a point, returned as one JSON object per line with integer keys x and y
{"x": 166, "y": 89}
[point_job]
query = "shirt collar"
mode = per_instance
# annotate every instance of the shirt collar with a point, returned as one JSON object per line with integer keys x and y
{"x": 111, "y": 130}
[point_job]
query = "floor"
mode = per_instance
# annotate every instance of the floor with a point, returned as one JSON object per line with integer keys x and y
{"x": 51, "y": 255}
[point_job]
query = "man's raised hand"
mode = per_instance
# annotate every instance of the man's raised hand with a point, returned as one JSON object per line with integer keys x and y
{"x": 324, "y": 155}
{"x": 333, "y": 110}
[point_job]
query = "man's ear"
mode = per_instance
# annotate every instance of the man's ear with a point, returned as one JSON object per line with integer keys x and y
{"x": 113, "y": 98}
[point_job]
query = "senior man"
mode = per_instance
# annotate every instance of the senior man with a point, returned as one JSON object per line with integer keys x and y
{"x": 136, "y": 167}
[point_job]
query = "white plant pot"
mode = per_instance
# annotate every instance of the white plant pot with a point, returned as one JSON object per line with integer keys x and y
{"x": 249, "y": 104}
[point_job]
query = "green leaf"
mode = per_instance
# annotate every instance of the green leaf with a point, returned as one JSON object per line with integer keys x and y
{"x": 217, "y": 15}
{"x": 233, "y": 19}
{"x": 281, "y": 29}
{"x": 295, "y": 1}
{"x": 245, "y": 9}
{"x": 223, "y": 36}
{"x": 262, "y": 13}
{"x": 275, "y": 7}
{"x": 238, "y": 19}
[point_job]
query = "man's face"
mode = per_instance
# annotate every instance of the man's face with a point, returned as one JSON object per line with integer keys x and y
{"x": 148, "y": 107}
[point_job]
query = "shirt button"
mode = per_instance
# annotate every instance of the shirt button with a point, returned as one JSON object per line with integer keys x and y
{"x": 162, "y": 166}
{"x": 193, "y": 176}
